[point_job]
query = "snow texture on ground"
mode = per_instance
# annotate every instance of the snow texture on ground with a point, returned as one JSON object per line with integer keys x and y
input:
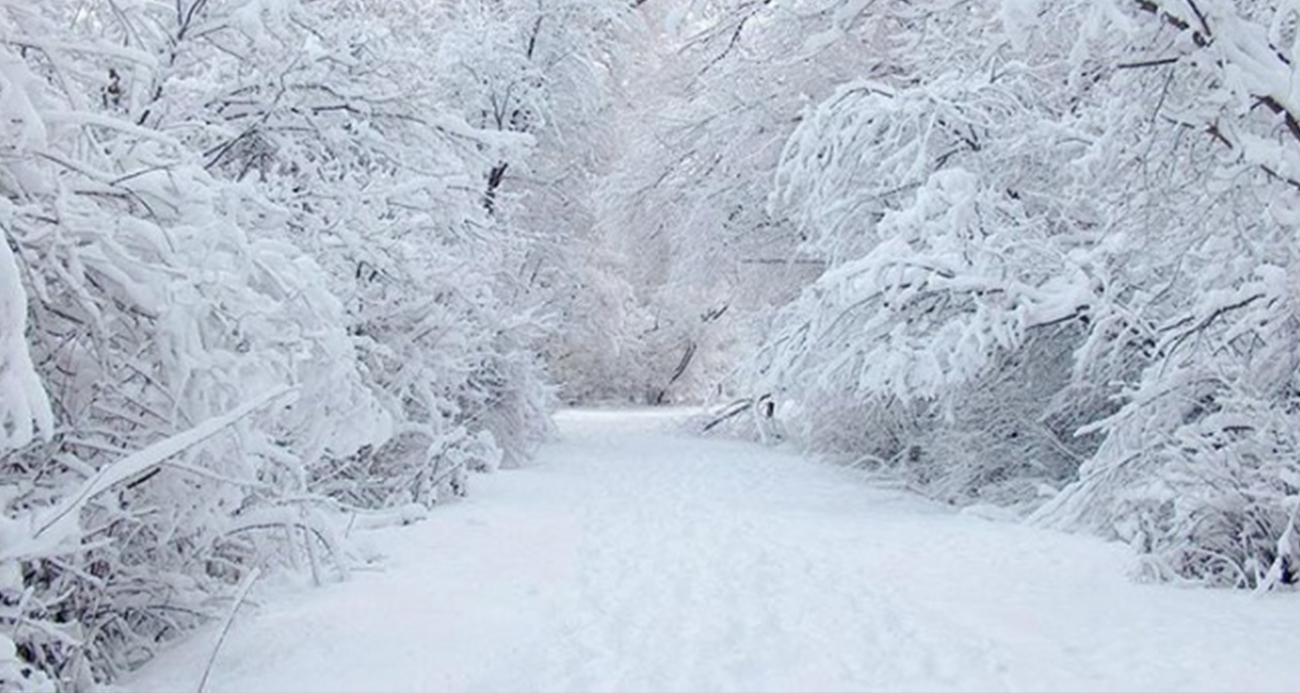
{"x": 633, "y": 558}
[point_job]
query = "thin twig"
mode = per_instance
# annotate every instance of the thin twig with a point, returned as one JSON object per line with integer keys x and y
{"x": 240, "y": 594}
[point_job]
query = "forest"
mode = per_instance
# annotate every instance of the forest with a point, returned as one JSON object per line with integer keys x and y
{"x": 273, "y": 268}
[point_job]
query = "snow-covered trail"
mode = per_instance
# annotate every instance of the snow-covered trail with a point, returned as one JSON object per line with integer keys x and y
{"x": 631, "y": 558}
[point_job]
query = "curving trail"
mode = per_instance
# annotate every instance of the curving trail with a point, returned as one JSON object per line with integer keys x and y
{"x": 632, "y": 558}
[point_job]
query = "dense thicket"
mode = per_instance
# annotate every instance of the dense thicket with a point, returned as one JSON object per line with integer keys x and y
{"x": 1044, "y": 251}
{"x": 268, "y": 267}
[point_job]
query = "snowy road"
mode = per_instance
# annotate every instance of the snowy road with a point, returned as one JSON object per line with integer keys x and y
{"x": 631, "y": 558}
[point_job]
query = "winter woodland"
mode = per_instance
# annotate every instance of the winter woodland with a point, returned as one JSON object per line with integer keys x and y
{"x": 272, "y": 268}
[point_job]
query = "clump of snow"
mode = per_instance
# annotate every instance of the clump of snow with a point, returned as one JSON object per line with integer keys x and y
{"x": 17, "y": 676}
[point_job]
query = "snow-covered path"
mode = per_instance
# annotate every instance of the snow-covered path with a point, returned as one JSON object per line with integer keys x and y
{"x": 631, "y": 558}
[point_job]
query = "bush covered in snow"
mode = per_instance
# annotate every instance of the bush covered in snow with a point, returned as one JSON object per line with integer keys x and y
{"x": 1060, "y": 268}
{"x": 251, "y": 282}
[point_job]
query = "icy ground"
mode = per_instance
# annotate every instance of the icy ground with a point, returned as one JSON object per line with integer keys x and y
{"x": 631, "y": 558}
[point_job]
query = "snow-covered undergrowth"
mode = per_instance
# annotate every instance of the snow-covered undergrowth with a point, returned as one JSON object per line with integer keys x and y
{"x": 257, "y": 281}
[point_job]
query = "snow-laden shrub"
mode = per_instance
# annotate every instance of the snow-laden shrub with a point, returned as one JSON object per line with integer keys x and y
{"x": 1066, "y": 237}
{"x": 1005, "y": 437}
{"x": 259, "y": 290}
{"x": 950, "y": 311}
{"x": 1008, "y": 436}
{"x": 142, "y": 342}
{"x": 385, "y": 193}
{"x": 1215, "y": 502}
{"x": 153, "y": 314}
{"x": 1200, "y": 468}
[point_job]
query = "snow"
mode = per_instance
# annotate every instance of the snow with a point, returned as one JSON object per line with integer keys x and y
{"x": 24, "y": 406}
{"x": 634, "y": 557}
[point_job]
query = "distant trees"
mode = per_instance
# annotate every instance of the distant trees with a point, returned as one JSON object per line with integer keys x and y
{"x": 709, "y": 107}
{"x": 548, "y": 73}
